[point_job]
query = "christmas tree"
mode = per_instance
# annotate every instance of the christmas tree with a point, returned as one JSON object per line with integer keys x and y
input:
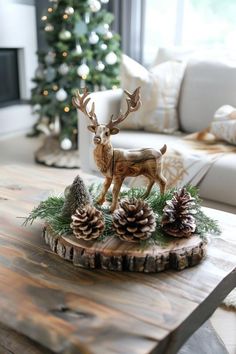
{"x": 83, "y": 51}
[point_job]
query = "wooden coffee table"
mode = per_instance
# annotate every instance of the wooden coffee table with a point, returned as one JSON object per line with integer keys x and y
{"x": 49, "y": 305}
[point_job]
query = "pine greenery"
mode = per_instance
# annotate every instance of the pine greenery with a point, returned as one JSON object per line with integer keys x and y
{"x": 50, "y": 211}
{"x": 68, "y": 26}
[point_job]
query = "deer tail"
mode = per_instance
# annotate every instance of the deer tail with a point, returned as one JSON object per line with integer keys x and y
{"x": 163, "y": 149}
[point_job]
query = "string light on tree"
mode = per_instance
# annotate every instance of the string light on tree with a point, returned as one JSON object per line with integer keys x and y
{"x": 93, "y": 38}
{"x": 55, "y": 87}
{"x": 111, "y": 58}
{"x": 45, "y": 92}
{"x": 83, "y": 71}
{"x": 64, "y": 54}
{"x": 50, "y": 9}
{"x": 61, "y": 95}
{"x": 66, "y": 109}
{"x": 65, "y": 17}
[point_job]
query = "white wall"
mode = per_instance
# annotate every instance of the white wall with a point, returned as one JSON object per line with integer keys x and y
{"x": 18, "y": 30}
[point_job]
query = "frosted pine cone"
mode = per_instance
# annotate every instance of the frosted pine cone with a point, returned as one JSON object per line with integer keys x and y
{"x": 134, "y": 220}
{"x": 178, "y": 219}
{"x": 87, "y": 223}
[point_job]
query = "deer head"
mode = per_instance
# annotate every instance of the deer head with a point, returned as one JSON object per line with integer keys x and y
{"x": 104, "y": 131}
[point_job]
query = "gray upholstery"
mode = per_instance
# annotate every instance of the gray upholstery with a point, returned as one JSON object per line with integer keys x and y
{"x": 206, "y": 86}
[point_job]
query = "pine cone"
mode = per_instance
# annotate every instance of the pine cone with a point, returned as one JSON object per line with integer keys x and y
{"x": 178, "y": 219}
{"x": 87, "y": 223}
{"x": 134, "y": 220}
{"x": 76, "y": 196}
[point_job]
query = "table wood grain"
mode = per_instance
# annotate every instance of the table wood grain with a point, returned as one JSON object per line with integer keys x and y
{"x": 70, "y": 310}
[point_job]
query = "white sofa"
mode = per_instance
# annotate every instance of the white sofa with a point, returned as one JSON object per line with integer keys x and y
{"x": 206, "y": 86}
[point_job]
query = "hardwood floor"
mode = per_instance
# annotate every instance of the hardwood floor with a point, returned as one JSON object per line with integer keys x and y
{"x": 19, "y": 150}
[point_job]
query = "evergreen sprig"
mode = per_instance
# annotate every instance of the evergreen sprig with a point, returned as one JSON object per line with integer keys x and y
{"x": 50, "y": 211}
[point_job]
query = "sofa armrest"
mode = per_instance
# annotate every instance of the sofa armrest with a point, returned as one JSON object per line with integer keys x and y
{"x": 106, "y": 104}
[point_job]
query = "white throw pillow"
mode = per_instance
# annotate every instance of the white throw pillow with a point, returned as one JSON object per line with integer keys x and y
{"x": 160, "y": 88}
{"x": 224, "y": 124}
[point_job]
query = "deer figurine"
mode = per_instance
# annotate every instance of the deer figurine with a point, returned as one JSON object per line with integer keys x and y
{"x": 116, "y": 164}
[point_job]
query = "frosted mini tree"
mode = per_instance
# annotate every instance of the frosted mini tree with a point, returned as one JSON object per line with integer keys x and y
{"x": 83, "y": 51}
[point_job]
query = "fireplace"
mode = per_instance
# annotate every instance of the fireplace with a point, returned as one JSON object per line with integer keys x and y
{"x": 9, "y": 83}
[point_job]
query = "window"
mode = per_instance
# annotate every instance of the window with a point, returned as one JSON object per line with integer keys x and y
{"x": 201, "y": 24}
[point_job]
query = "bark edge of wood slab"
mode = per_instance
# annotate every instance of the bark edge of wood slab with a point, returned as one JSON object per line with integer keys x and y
{"x": 116, "y": 255}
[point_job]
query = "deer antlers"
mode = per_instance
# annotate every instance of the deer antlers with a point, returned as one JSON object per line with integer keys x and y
{"x": 133, "y": 104}
{"x": 81, "y": 102}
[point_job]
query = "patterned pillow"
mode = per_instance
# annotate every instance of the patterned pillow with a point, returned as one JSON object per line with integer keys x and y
{"x": 224, "y": 124}
{"x": 160, "y": 88}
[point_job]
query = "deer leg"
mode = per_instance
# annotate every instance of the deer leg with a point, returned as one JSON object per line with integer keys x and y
{"x": 115, "y": 193}
{"x": 101, "y": 199}
{"x": 161, "y": 180}
{"x": 149, "y": 187}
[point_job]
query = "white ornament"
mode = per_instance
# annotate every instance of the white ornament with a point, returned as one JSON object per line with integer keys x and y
{"x": 108, "y": 35}
{"x": 78, "y": 49}
{"x": 49, "y": 27}
{"x": 83, "y": 70}
{"x": 66, "y": 144}
{"x": 39, "y": 72}
{"x": 111, "y": 58}
{"x": 36, "y": 107}
{"x": 103, "y": 46}
{"x": 61, "y": 95}
{"x": 100, "y": 66}
{"x": 95, "y": 5}
{"x": 65, "y": 35}
{"x": 50, "y": 57}
{"x": 93, "y": 38}
{"x": 69, "y": 10}
{"x": 87, "y": 17}
{"x": 104, "y": 1}
{"x": 63, "y": 69}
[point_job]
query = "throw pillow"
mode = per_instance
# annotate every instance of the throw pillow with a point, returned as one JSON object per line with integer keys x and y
{"x": 160, "y": 88}
{"x": 224, "y": 124}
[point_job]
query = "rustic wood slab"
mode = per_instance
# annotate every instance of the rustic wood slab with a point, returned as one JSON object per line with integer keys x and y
{"x": 114, "y": 254}
{"x": 50, "y": 154}
{"x": 70, "y": 310}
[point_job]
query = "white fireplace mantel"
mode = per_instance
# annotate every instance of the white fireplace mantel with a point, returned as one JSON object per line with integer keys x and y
{"x": 18, "y": 30}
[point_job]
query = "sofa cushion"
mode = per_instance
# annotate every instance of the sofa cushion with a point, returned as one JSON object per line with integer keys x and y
{"x": 224, "y": 124}
{"x": 206, "y": 86}
{"x": 159, "y": 93}
{"x": 220, "y": 181}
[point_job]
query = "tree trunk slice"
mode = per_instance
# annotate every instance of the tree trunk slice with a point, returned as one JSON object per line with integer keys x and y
{"x": 117, "y": 255}
{"x": 50, "y": 154}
